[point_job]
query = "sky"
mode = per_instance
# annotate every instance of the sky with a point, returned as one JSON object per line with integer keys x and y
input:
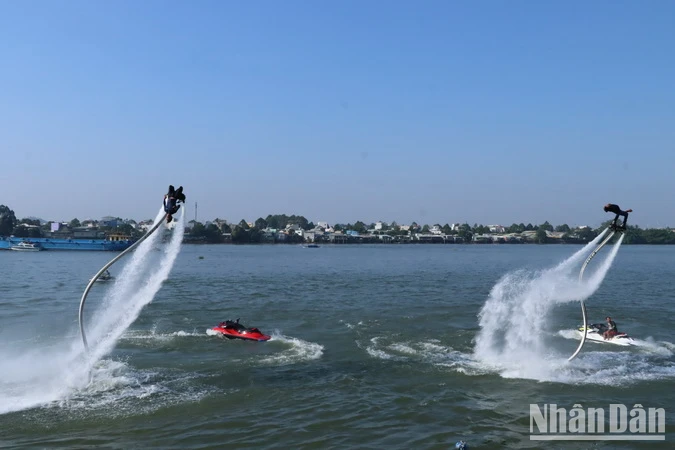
{"x": 487, "y": 112}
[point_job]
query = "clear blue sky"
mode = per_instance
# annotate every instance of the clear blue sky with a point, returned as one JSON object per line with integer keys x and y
{"x": 434, "y": 111}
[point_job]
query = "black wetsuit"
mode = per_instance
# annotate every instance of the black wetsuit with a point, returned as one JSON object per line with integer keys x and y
{"x": 170, "y": 200}
{"x": 616, "y": 210}
{"x": 170, "y": 206}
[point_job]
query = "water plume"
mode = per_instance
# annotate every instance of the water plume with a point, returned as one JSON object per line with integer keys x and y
{"x": 515, "y": 319}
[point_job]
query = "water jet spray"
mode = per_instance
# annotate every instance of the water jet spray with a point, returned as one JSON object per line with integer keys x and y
{"x": 583, "y": 304}
{"x": 100, "y": 272}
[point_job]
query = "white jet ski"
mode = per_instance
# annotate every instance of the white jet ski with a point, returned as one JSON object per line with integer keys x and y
{"x": 596, "y": 330}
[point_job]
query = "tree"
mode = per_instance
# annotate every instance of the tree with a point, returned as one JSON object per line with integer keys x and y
{"x": 465, "y": 233}
{"x": 587, "y": 234}
{"x": 7, "y": 221}
{"x": 303, "y": 222}
{"x": 564, "y": 228}
{"x": 239, "y": 235}
{"x": 125, "y": 228}
{"x": 261, "y": 223}
{"x": 359, "y": 227}
{"x": 35, "y": 222}
{"x": 273, "y": 221}
{"x": 481, "y": 229}
{"x": 540, "y": 236}
{"x": 338, "y": 227}
{"x": 29, "y": 232}
{"x": 446, "y": 229}
{"x": 225, "y": 228}
{"x": 546, "y": 226}
{"x": 425, "y": 229}
{"x": 243, "y": 224}
{"x": 634, "y": 235}
{"x": 213, "y": 234}
{"x": 516, "y": 228}
{"x": 198, "y": 229}
{"x": 74, "y": 223}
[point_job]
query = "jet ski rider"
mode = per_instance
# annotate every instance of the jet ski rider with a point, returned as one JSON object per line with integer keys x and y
{"x": 611, "y": 329}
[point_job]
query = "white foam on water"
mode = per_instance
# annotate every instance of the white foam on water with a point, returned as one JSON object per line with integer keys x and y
{"x": 38, "y": 376}
{"x": 155, "y": 336}
{"x": 297, "y": 350}
{"x": 429, "y": 351}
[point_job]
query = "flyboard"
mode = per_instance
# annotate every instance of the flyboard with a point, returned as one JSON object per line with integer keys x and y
{"x": 104, "y": 268}
{"x": 584, "y": 330}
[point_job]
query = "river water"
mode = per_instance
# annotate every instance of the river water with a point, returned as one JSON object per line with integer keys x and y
{"x": 410, "y": 346}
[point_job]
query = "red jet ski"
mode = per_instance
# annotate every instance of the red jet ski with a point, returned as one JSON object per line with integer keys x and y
{"x": 235, "y": 330}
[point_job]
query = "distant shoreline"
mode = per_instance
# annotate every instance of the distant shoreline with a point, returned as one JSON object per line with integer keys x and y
{"x": 400, "y": 244}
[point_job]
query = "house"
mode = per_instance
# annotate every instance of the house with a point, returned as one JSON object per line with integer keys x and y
{"x": 109, "y": 221}
{"x": 324, "y": 226}
{"x": 220, "y": 223}
{"x": 292, "y": 228}
{"x": 496, "y": 229}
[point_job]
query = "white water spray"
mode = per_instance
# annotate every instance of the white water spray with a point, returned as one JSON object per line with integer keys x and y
{"x": 40, "y": 376}
{"x": 515, "y": 319}
{"x": 140, "y": 280}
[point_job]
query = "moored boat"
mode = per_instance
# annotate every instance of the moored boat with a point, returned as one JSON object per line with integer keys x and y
{"x": 112, "y": 243}
{"x": 25, "y": 246}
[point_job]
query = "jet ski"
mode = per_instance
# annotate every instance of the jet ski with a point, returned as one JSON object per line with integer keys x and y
{"x": 105, "y": 276}
{"x": 235, "y": 330}
{"x": 596, "y": 331}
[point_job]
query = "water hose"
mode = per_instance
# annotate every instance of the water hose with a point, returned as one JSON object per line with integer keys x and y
{"x": 583, "y": 304}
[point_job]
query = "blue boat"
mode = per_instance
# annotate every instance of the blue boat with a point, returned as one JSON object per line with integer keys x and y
{"x": 113, "y": 243}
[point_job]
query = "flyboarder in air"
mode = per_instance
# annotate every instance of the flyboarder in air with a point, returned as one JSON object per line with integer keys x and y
{"x": 170, "y": 201}
{"x": 609, "y": 207}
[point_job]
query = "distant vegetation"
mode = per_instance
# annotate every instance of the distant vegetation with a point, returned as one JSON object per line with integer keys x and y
{"x": 33, "y": 228}
{"x": 288, "y": 229}
{"x": 259, "y": 232}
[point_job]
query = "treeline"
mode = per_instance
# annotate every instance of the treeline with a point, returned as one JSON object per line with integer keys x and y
{"x": 32, "y": 228}
{"x": 219, "y": 231}
{"x": 242, "y": 233}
